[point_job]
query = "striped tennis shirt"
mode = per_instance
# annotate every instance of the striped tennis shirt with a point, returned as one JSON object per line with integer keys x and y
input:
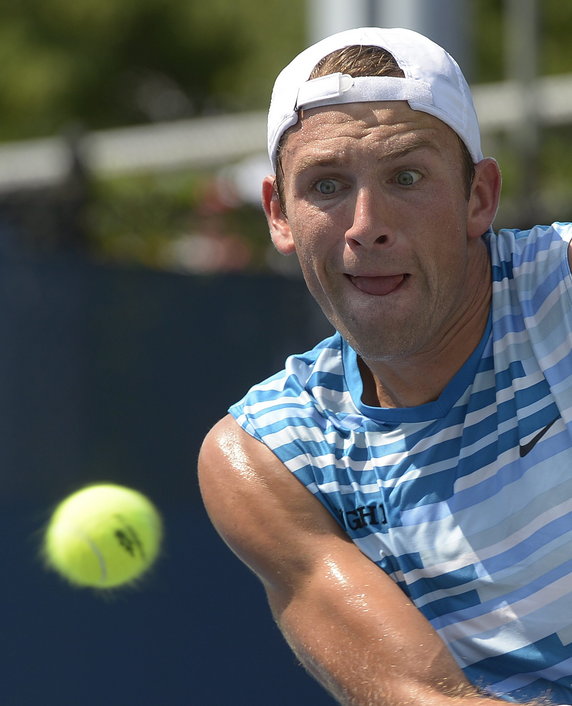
{"x": 466, "y": 501}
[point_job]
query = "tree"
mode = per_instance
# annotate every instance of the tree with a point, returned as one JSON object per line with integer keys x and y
{"x": 104, "y": 63}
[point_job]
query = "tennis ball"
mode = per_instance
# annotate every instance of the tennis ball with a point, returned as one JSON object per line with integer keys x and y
{"x": 103, "y": 536}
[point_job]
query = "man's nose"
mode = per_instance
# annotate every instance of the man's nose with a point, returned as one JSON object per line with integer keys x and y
{"x": 369, "y": 226}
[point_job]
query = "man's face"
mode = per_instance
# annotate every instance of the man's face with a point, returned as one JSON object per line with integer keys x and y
{"x": 377, "y": 212}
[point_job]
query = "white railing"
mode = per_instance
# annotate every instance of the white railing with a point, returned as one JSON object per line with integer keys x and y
{"x": 219, "y": 140}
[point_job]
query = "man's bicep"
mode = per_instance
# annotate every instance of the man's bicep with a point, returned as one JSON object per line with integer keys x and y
{"x": 335, "y": 607}
{"x": 263, "y": 513}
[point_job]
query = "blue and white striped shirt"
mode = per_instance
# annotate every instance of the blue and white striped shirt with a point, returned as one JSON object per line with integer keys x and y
{"x": 466, "y": 502}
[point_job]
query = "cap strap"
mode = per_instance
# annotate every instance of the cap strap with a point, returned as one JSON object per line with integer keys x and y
{"x": 342, "y": 88}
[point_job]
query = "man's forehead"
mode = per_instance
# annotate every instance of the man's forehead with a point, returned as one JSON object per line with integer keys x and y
{"x": 394, "y": 122}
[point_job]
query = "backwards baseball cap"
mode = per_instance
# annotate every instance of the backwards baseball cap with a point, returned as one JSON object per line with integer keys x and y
{"x": 433, "y": 83}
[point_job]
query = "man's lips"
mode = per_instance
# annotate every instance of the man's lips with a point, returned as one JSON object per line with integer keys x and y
{"x": 377, "y": 286}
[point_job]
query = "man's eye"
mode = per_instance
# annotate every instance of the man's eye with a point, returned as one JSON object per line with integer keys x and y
{"x": 326, "y": 187}
{"x": 408, "y": 177}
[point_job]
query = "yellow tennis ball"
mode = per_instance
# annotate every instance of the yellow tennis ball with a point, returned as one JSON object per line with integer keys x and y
{"x": 103, "y": 536}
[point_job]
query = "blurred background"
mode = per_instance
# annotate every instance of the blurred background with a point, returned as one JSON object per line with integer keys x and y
{"x": 140, "y": 296}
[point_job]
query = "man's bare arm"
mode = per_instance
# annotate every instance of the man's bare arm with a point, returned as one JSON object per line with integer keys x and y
{"x": 353, "y": 629}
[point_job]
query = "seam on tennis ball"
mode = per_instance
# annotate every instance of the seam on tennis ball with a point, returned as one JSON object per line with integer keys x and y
{"x": 99, "y": 556}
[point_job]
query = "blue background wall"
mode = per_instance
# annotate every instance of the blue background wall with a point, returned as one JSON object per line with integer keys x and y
{"x": 114, "y": 374}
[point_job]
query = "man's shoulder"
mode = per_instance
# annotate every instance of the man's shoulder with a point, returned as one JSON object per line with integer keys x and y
{"x": 528, "y": 255}
{"x": 321, "y": 366}
{"x": 531, "y": 294}
{"x": 538, "y": 237}
{"x": 296, "y": 406}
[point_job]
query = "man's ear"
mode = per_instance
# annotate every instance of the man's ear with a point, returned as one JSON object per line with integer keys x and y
{"x": 484, "y": 198}
{"x": 277, "y": 221}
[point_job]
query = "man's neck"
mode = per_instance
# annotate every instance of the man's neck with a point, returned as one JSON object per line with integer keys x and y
{"x": 422, "y": 377}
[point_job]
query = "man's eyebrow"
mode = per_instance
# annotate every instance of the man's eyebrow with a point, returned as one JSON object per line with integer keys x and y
{"x": 315, "y": 161}
{"x": 326, "y": 160}
{"x": 401, "y": 149}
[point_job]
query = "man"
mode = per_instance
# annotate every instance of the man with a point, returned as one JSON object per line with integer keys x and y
{"x": 403, "y": 490}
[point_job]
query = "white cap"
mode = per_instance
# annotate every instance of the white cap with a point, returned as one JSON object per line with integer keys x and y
{"x": 433, "y": 83}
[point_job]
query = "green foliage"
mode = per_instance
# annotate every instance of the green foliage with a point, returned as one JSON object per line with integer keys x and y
{"x": 105, "y": 63}
{"x": 554, "y": 36}
{"x": 554, "y": 24}
{"x": 488, "y": 41}
{"x": 180, "y": 221}
{"x": 101, "y": 64}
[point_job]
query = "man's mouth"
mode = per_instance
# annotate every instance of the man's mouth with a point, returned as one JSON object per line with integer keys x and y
{"x": 378, "y": 286}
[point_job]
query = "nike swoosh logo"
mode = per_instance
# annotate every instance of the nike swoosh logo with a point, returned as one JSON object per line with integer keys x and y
{"x": 527, "y": 448}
